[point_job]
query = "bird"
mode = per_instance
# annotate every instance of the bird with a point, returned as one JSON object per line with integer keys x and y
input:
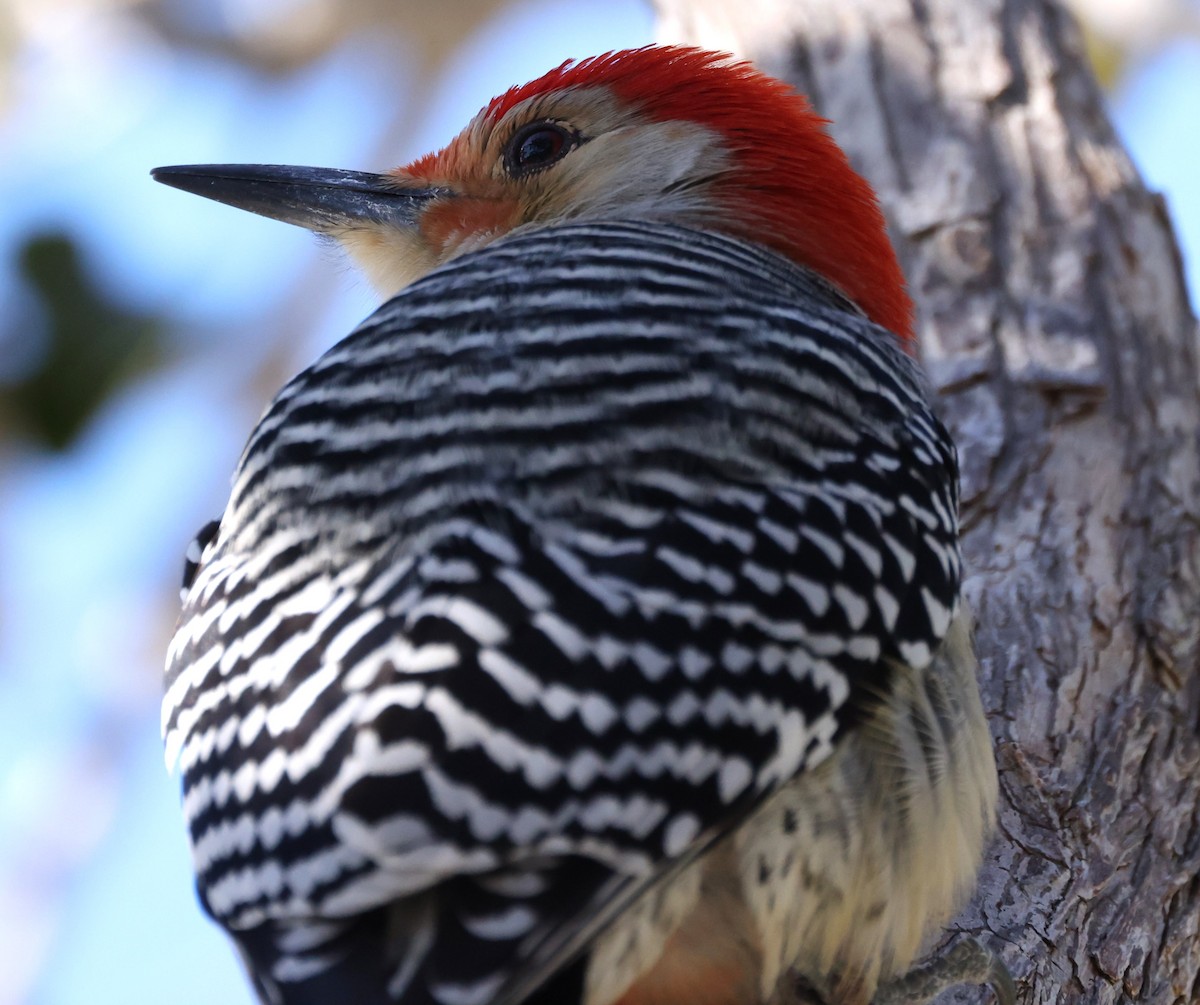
{"x": 586, "y": 627}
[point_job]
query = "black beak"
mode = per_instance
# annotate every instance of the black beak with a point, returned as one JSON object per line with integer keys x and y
{"x": 320, "y": 199}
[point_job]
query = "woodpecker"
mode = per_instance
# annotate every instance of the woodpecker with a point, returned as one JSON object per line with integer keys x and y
{"x": 586, "y": 627}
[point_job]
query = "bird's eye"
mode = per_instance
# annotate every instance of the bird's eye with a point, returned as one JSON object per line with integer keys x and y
{"x": 536, "y": 146}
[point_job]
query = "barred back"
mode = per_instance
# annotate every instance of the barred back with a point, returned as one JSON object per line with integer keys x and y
{"x": 538, "y": 581}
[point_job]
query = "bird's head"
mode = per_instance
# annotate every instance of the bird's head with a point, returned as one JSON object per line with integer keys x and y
{"x": 674, "y": 134}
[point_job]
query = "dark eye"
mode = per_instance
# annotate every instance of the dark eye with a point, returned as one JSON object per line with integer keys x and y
{"x": 536, "y": 146}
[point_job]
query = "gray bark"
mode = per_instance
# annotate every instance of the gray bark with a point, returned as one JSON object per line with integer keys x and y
{"x": 1055, "y": 327}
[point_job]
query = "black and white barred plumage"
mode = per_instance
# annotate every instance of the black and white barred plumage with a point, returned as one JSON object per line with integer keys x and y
{"x": 532, "y": 588}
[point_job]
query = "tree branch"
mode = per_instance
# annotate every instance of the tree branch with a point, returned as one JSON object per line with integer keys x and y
{"x": 1055, "y": 326}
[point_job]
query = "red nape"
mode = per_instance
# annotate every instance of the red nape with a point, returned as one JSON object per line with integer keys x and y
{"x": 793, "y": 188}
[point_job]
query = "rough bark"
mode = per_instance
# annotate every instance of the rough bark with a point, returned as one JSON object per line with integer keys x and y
{"x": 1056, "y": 329}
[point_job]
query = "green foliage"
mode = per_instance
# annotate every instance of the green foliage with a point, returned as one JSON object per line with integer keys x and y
{"x": 90, "y": 347}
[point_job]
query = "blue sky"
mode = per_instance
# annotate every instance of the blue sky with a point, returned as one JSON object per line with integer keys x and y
{"x": 96, "y": 904}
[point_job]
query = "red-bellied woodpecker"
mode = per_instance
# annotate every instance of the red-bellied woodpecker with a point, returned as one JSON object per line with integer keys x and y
{"x": 585, "y": 628}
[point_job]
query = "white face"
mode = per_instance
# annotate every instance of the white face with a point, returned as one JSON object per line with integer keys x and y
{"x": 611, "y": 163}
{"x": 390, "y": 258}
{"x": 625, "y": 165}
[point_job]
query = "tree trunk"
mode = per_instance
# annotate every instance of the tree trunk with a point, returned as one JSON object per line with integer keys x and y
{"x": 1056, "y": 330}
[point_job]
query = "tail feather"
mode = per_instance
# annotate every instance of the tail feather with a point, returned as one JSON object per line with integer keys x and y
{"x": 461, "y": 943}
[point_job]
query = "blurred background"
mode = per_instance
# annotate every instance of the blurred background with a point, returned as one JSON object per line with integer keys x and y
{"x": 143, "y": 330}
